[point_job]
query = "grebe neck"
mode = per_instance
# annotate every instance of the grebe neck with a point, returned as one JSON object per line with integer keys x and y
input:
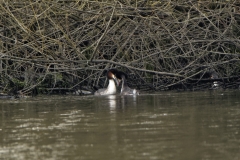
{"x": 111, "y": 89}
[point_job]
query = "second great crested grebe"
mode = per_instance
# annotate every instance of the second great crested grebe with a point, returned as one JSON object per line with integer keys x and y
{"x": 125, "y": 90}
{"x": 111, "y": 89}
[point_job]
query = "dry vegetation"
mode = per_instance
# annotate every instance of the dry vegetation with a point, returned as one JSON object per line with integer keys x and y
{"x": 68, "y": 44}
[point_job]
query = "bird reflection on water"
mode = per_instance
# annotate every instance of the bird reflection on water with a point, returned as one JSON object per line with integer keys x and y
{"x": 120, "y": 102}
{"x": 112, "y": 101}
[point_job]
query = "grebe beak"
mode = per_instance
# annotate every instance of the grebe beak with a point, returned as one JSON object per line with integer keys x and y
{"x": 116, "y": 80}
{"x": 119, "y": 81}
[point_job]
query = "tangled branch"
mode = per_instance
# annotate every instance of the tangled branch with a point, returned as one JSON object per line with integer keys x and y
{"x": 65, "y": 45}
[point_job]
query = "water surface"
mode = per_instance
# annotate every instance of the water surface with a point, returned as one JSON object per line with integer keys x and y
{"x": 166, "y": 125}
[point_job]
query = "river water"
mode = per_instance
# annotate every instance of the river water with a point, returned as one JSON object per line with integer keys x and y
{"x": 165, "y": 125}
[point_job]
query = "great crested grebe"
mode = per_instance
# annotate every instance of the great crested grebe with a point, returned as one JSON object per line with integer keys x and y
{"x": 214, "y": 76}
{"x": 112, "y": 79}
{"x": 125, "y": 90}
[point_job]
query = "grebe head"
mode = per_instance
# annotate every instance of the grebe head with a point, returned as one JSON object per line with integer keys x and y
{"x": 111, "y": 74}
{"x": 121, "y": 76}
{"x": 213, "y": 74}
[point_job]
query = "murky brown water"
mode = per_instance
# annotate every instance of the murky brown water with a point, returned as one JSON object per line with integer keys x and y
{"x": 181, "y": 126}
